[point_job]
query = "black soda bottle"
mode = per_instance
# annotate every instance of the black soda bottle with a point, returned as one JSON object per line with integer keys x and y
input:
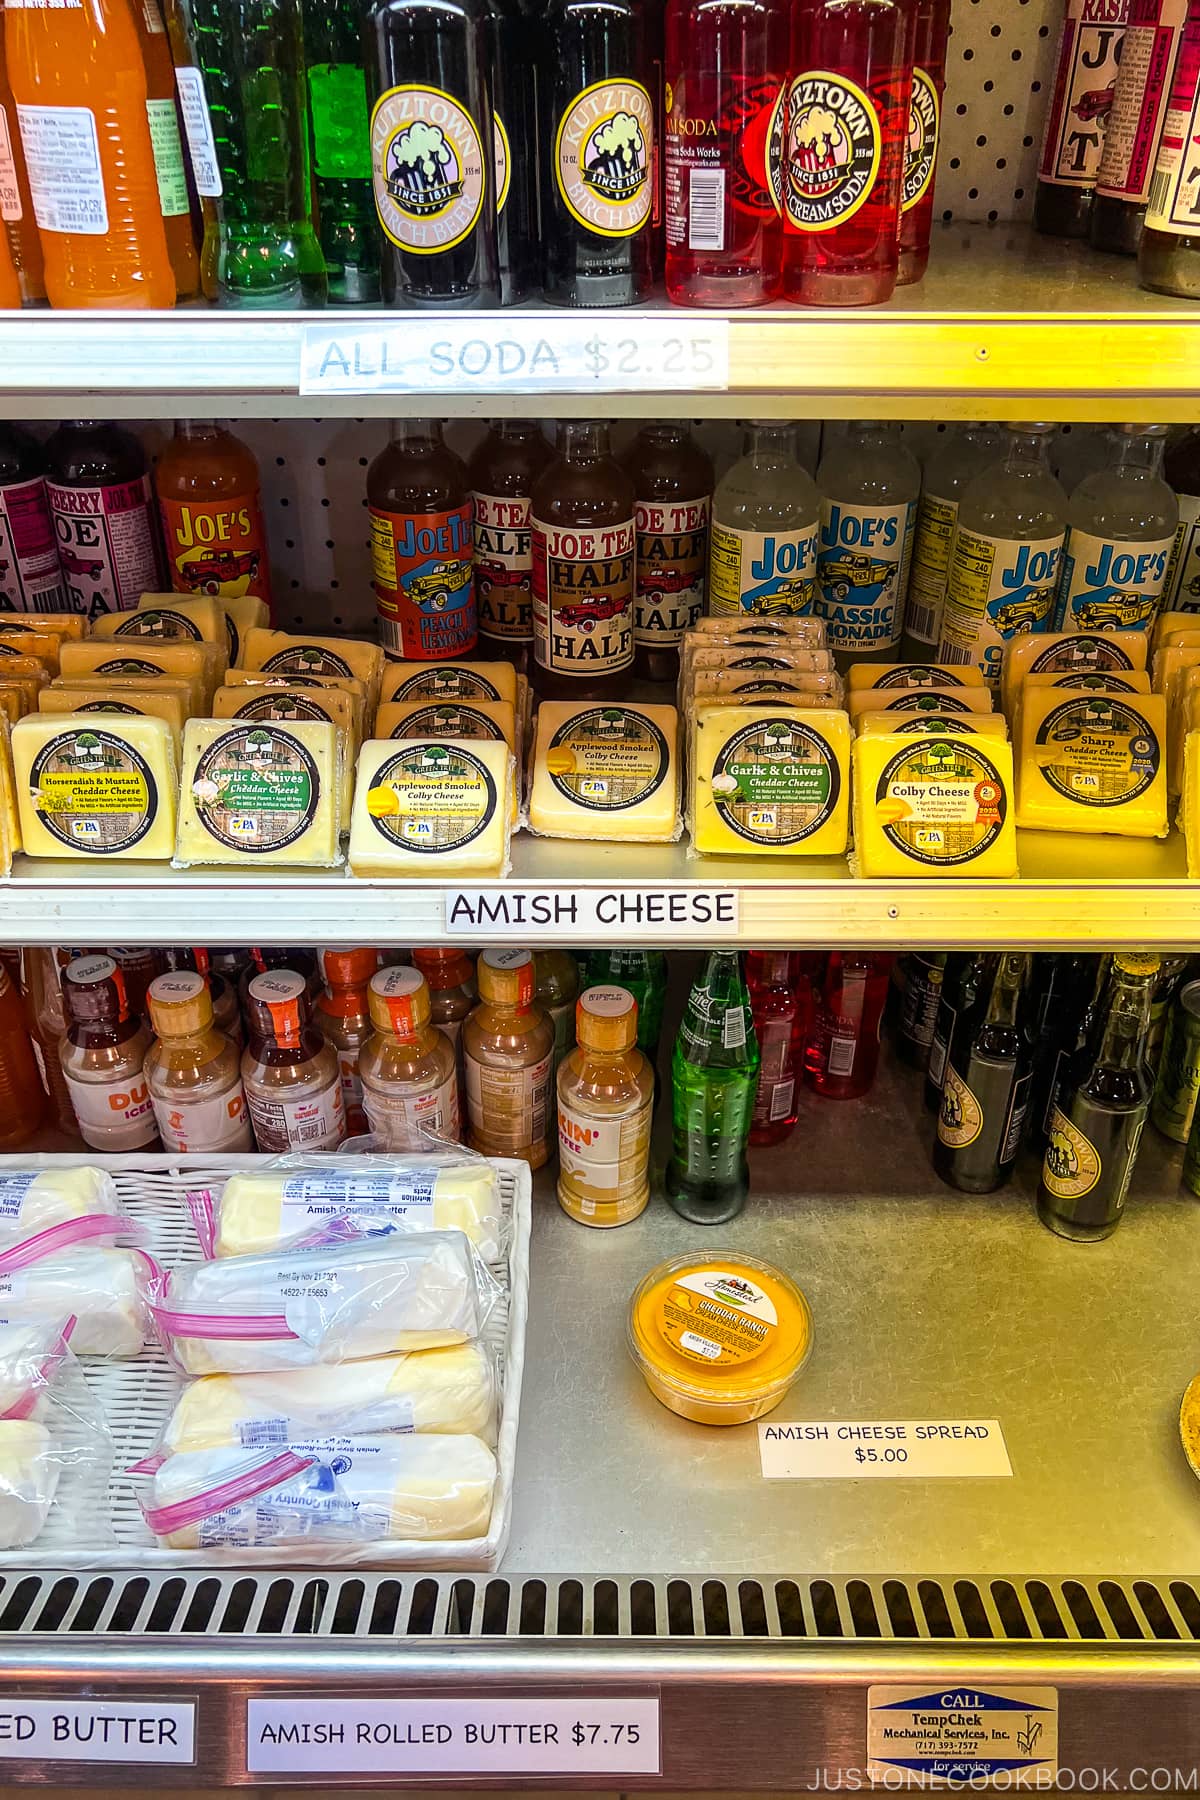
{"x": 511, "y": 47}
{"x": 966, "y": 984}
{"x": 985, "y": 1094}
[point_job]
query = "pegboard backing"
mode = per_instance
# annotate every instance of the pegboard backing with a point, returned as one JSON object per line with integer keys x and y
{"x": 999, "y": 68}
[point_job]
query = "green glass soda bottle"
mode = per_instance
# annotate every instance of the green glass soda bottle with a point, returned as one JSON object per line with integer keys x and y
{"x": 261, "y": 249}
{"x": 714, "y": 1078}
{"x": 642, "y": 973}
{"x": 340, "y": 141}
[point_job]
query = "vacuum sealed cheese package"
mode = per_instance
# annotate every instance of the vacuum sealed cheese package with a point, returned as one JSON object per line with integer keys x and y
{"x": 286, "y": 653}
{"x": 260, "y": 793}
{"x": 770, "y": 780}
{"x": 934, "y": 806}
{"x": 293, "y": 705}
{"x": 95, "y": 785}
{"x": 909, "y": 700}
{"x": 32, "y": 1200}
{"x": 495, "y": 721}
{"x": 606, "y": 772}
{"x": 1092, "y": 762}
{"x": 438, "y": 1391}
{"x": 913, "y": 675}
{"x": 1189, "y": 803}
{"x": 1068, "y": 653}
{"x": 163, "y": 701}
{"x": 148, "y": 657}
{"x": 426, "y": 808}
{"x": 366, "y": 1491}
{"x": 197, "y": 619}
{"x": 449, "y": 681}
{"x": 905, "y": 724}
{"x": 287, "y": 1202}
{"x": 292, "y": 1308}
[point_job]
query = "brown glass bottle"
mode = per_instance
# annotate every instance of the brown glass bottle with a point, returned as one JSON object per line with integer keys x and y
{"x": 343, "y": 1014}
{"x": 263, "y": 960}
{"x": 293, "y": 1084}
{"x": 502, "y": 473}
{"x": 102, "y": 1055}
{"x": 581, "y": 519}
{"x": 419, "y": 502}
{"x": 672, "y": 485}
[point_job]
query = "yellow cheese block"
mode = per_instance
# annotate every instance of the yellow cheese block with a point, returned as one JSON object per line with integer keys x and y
{"x": 242, "y": 613}
{"x": 930, "y": 700}
{"x": 295, "y": 703}
{"x": 934, "y": 806}
{"x": 29, "y": 673}
{"x": 259, "y": 794}
{"x": 801, "y": 630}
{"x": 427, "y": 808}
{"x": 704, "y": 655}
{"x": 1182, "y": 719}
{"x": 1169, "y": 667}
{"x": 59, "y": 625}
{"x": 769, "y": 780}
{"x": 1064, "y": 652}
{"x": 905, "y": 724}
{"x": 735, "y": 680}
{"x": 1189, "y": 805}
{"x": 1094, "y": 681}
{"x": 1168, "y": 622}
{"x": 606, "y": 772}
{"x": 164, "y": 701}
{"x": 494, "y": 719}
{"x": 13, "y": 701}
{"x": 129, "y": 631}
{"x": 10, "y": 823}
{"x": 186, "y": 662}
{"x": 43, "y": 646}
{"x": 775, "y": 690}
{"x": 346, "y": 684}
{"x": 196, "y": 618}
{"x": 450, "y": 681}
{"x": 913, "y": 675}
{"x": 93, "y": 784}
{"x": 190, "y": 692}
{"x": 284, "y": 653}
{"x": 1092, "y": 762}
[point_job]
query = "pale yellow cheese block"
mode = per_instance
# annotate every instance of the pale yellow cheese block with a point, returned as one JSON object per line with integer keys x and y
{"x": 198, "y": 618}
{"x": 769, "y": 780}
{"x": 806, "y": 629}
{"x": 1092, "y": 762}
{"x": 346, "y": 684}
{"x": 910, "y": 700}
{"x": 295, "y": 703}
{"x": 770, "y": 691}
{"x": 913, "y": 675}
{"x": 1097, "y": 681}
{"x": 95, "y": 785}
{"x": 1169, "y": 667}
{"x": 14, "y": 701}
{"x": 162, "y": 701}
{"x": 190, "y": 691}
{"x": 1168, "y": 622}
{"x": 450, "y": 681}
{"x": 126, "y": 632}
{"x": 606, "y": 772}
{"x": 186, "y": 662}
{"x": 259, "y": 795}
{"x": 287, "y": 653}
{"x": 10, "y": 823}
{"x": 59, "y": 625}
{"x": 27, "y": 673}
{"x": 929, "y": 806}
{"x": 1182, "y": 719}
{"x": 1062, "y": 652}
{"x": 242, "y": 613}
{"x": 426, "y": 808}
{"x": 906, "y": 724}
{"x": 494, "y": 719}
{"x": 1189, "y": 805}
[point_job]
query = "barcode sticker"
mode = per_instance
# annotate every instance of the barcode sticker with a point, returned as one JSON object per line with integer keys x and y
{"x": 841, "y": 1055}
{"x": 198, "y": 127}
{"x": 733, "y": 1028}
{"x": 919, "y": 621}
{"x": 781, "y": 1099}
{"x": 954, "y": 653}
{"x": 706, "y": 209}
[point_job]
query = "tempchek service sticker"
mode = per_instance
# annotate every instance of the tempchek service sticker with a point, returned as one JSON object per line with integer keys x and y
{"x": 963, "y": 1734}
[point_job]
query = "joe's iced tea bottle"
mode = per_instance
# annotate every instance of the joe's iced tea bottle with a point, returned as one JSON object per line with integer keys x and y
{"x": 581, "y": 513}
{"x": 672, "y": 484}
{"x": 503, "y": 471}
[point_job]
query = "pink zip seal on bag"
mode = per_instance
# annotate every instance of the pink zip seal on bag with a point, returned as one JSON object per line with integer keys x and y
{"x": 275, "y": 1472}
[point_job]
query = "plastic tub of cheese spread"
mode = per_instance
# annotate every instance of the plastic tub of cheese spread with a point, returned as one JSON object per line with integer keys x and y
{"x": 719, "y": 1339}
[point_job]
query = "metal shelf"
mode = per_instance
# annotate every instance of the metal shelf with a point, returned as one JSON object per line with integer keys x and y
{"x": 1003, "y": 321}
{"x": 1074, "y": 892}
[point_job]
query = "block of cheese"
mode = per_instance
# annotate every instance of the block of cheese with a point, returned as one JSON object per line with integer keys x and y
{"x": 440, "y": 1391}
{"x": 29, "y": 1473}
{"x": 1092, "y": 762}
{"x": 492, "y": 719}
{"x": 259, "y": 794}
{"x": 1065, "y": 653}
{"x": 735, "y": 680}
{"x": 913, "y": 675}
{"x": 346, "y": 684}
{"x": 606, "y": 772}
{"x": 187, "y": 662}
{"x": 450, "y": 681}
{"x": 13, "y": 701}
{"x": 189, "y": 690}
{"x": 1189, "y": 805}
{"x": 769, "y": 780}
{"x": 1169, "y": 622}
{"x": 43, "y": 646}
{"x": 268, "y": 1209}
{"x": 95, "y": 784}
{"x": 164, "y": 701}
{"x": 904, "y": 724}
{"x": 784, "y": 658}
{"x": 284, "y": 653}
{"x": 934, "y": 806}
{"x": 59, "y": 625}
{"x": 1094, "y": 681}
{"x": 1170, "y": 666}
{"x": 294, "y": 704}
{"x": 10, "y": 823}
{"x": 909, "y": 700}
{"x": 27, "y": 673}
{"x": 33, "y": 1199}
{"x": 802, "y": 628}
{"x": 196, "y": 618}
{"x": 242, "y": 613}
{"x": 1182, "y": 719}
{"x": 426, "y": 808}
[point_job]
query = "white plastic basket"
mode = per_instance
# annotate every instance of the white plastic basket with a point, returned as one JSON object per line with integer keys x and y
{"x": 137, "y": 1396}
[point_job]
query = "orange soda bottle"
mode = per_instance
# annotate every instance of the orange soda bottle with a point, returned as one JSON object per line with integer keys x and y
{"x": 10, "y": 286}
{"x": 23, "y": 1103}
{"x": 16, "y": 202}
{"x": 80, "y": 86}
{"x": 167, "y": 145}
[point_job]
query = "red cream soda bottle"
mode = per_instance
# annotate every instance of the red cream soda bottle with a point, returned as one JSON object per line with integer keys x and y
{"x": 844, "y": 149}
{"x": 924, "y": 138}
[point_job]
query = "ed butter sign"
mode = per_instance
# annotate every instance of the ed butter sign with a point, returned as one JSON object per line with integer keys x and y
{"x": 98, "y": 1731}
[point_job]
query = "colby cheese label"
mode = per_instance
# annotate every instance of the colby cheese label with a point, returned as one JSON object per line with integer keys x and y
{"x": 608, "y": 758}
{"x": 941, "y": 801}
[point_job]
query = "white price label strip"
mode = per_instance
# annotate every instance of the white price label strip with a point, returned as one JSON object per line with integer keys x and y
{"x": 683, "y": 912}
{"x": 453, "y": 1737}
{"x": 99, "y": 1731}
{"x": 840, "y": 1449}
{"x": 537, "y": 353}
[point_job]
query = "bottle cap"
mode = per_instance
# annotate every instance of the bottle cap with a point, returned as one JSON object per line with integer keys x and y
{"x": 1133, "y": 963}
{"x": 347, "y": 968}
{"x": 606, "y": 1018}
{"x": 279, "y": 1006}
{"x": 506, "y": 977}
{"x": 772, "y": 965}
{"x": 94, "y": 991}
{"x": 399, "y": 1001}
{"x": 1143, "y": 430}
{"x": 180, "y": 1004}
{"x": 444, "y": 968}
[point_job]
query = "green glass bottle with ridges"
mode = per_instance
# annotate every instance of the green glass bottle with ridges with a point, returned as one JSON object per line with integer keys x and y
{"x": 714, "y": 1078}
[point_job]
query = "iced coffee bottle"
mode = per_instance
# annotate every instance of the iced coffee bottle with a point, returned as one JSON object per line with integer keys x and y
{"x": 453, "y": 997}
{"x": 556, "y": 990}
{"x": 293, "y": 1085}
{"x": 503, "y": 471}
{"x": 508, "y": 1043}
{"x": 672, "y": 485}
{"x": 581, "y": 516}
{"x": 409, "y": 1072}
{"x": 194, "y": 1071}
{"x": 343, "y": 1014}
{"x": 605, "y": 1104}
{"x": 103, "y": 1056}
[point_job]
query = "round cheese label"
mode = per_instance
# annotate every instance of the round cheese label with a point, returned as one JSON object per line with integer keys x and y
{"x": 430, "y": 798}
{"x": 446, "y": 718}
{"x": 775, "y": 781}
{"x": 1097, "y": 751}
{"x": 159, "y": 622}
{"x": 276, "y": 706}
{"x": 256, "y": 788}
{"x": 93, "y": 791}
{"x": 608, "y": 758}
{"x": 447, "y": 684}
{"x": 306, "y": 659}
{"x": 941, "y": 802}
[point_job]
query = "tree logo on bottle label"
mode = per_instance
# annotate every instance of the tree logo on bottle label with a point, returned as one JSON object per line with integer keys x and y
{"x": 428, "y": 169}
{"x": 1072, "y": 1164}
{"x": 603, "y": 157}
{"x": 960, "y": 1119}
{"x": 833, "y": 151}
{"x": 920, "y": 149}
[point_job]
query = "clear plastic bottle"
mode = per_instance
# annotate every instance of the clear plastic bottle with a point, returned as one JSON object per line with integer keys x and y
{"x": 961, "y": 453}
{"x": 453, "y": 997}
{"x": 23, "y": 1101}
{"x": 508, "y": 1042}
{"x": 1005, "y": 565}
{"x": 605, "y": 1105}
{"x": 869, "y": 482}
{"x": 765, "y": 522}
{"x": 194, "y": 1071}
{"x": 408, "y": 1069}
{"x": 1121, "y": 523}
{"x": 42, "y": 967}
{"x": 556, "y": 975}
{"x": 293, "y": 1084}
{"x": 342, "y": 1011}
{"x": 103, "y": 1056}
{"x": 777, "y": 1025}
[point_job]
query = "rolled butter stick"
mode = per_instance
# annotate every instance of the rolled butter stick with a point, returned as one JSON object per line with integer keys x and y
{"x": 98, "y": 1285}
{"x": 264, "y": 1211}
{"x": 32, "y": 1200}
{"x": 29, "y": 1472}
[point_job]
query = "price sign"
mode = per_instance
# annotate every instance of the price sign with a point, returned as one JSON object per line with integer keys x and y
{"x": 99, "y": 1731}
{"x": 638, "y": 913}
{"x": 536, "y": 353}
{"x": 856, "y": 1448}
{"x": 616, "y": 1736}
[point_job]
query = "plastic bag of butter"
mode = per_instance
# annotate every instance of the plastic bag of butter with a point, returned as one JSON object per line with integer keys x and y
{"x": 292, "y": 1199}
{"x": 327, "y": 1495}
{"x": 55, "y": 1447}
{"x": 33, "y": 1199}
{"x": 289, "y": 1309}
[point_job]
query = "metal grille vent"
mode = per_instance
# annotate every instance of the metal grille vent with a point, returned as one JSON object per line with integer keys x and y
{"x": 691, "y": 1607}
